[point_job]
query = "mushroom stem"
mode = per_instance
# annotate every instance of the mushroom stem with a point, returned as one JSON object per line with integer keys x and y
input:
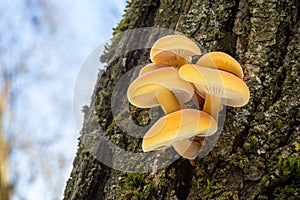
{"x": 185, "y": 148}
{"x": 212, "y": 105}
{"x": 167, "y": 101}
{"x": 188, "y": 149}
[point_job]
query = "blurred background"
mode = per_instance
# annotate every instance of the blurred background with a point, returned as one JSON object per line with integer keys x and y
{"x": 43, "y": 44}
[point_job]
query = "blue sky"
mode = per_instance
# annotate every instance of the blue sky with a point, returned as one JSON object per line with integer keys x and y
{"x": 43, "y": 44}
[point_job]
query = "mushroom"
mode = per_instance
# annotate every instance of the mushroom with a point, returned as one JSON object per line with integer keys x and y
{"x": 217, "y": 77}
{"x": 173, "y": 50}
{"x": 218, "y": 86}
{"x": 221, "y": 61}
{"x": 151, "y": 67}
{"x": 158, "y": 87}
{"x": 177, "y": 126}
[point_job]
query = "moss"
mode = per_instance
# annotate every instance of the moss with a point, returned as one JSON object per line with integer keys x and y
{"x": 123, "y": 25}
{"x": 271, "y": 137}
{"x": 134, "y": 180}
{"x": 229, "y": 6}
{"x": 296, "y": 55}
{"x": 208, "y": 186}
{"x": 137, "y": 186}
{"x": 261, "y": 165}
{"x": 298, "y": 67}
{"x": 273, "y": 57}
{"x": 102, "y": 96}
{"x": 247, "y": 10}
{"x": 289, "y": 190}
{"x": 254, "y": 142}
{"x": 297, "y": 147}
{"x": 288, "y": 168}
{"x": 278, "y": 123}
{"x": 138, "y": 195}
{"x": 247, "y": 147}
{"x": 265, "y": 181}
{"x": 217, "y": 34}
{"x": 229, "y": 195}
{"x": 285, "y": 192}
{"x": 281, "y": 103}
{"x": 140, "y": 116}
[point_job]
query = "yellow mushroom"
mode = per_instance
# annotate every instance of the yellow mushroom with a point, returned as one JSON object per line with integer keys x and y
{"x": 161, "y": 87}
{"x": 221, "y": 61}
{"x": 151, "y": 67}
{"x": 173, "y": 50}
{"x": 219, "y": 87}
{"x": 217, "y": 77}
{"x": 177, "y": 126}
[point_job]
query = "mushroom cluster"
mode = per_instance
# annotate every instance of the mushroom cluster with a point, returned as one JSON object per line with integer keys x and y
{"x": 171, "y": 80}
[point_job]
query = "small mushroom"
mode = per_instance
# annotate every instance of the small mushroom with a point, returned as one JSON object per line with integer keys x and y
{"x": 218, "y": 86}
{"x": 173, "y": 50}
{"x": 177, "y": 126}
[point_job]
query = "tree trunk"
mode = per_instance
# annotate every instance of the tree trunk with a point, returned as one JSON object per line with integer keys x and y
{"x": 257, "y": 154}
{"x": 4, "y": 185}
{"x": 4, "y": 147}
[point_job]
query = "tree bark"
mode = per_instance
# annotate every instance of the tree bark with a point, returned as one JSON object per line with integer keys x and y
{"x": 257, "y": 154}
{"x": 4, "y": 146}
{"x": 4, "y": 185}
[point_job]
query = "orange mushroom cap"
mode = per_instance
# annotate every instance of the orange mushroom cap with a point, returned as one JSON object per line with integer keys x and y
{"x": 142, "y": 91}
{"x": 151, "y": 67}
{"x": 177, "y": 126}
{"x": 173, "y": 50}
{"x": 217, "y": 83}
{"x": 222, "y": 61}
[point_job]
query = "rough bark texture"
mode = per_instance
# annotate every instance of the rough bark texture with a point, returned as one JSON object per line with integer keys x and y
{"x": 257, "y": 154}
